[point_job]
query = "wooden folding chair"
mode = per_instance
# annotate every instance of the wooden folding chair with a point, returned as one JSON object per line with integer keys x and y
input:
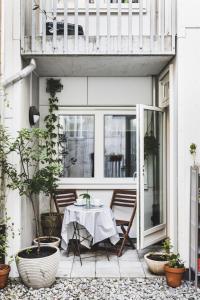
{"x": 125, "y": 198}
{"x": 64, "y": 198}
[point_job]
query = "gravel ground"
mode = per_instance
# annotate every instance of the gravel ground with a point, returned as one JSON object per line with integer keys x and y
{"x": 103, "y": 289}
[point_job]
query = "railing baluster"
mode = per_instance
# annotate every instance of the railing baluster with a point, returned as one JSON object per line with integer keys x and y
{"x": 119, "y": 29}
{"x": 173, "y": 20}
{"x": 54, "y": 25}
{"x": 130, "y": 26}
{"x": 23, "y": 22}
{"x": 152, "y": 24}
{"x": 76, "y": 24}
{"x": 162, "y": 20}
{"x": 108, "y": 26}
{"x": 43, "y": 8}
{"x": 65, "y": 26}
{"x": 86, "y": 26}
{"x": 141, "y": 24}
{"x": 33, "y": 26}
{"x": 97, "y": 25}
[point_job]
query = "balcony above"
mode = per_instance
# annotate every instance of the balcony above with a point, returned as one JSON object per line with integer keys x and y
{"x": 98, "y": 27}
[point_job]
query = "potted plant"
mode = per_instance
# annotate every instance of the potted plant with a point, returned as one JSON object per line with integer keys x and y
{"x": 157, "y": 260}
{"x": 87, "y": 199}
{"x": 193, "y": 151}
{"x": 174, "y": 270}
{"x": 37, "y": 265}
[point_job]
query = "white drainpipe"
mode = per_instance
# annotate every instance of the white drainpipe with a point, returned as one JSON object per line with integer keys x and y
{"x": 20, "y": 75}
{"x": 12, "y": 80}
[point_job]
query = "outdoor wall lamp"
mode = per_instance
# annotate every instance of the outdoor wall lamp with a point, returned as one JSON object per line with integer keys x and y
{"x": 34, "y": 115}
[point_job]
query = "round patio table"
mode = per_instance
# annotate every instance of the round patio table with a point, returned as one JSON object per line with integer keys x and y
{"x": 95, "y": 224}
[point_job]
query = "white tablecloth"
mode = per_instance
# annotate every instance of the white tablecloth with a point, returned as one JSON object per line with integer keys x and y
{"x": 99, "y": 224}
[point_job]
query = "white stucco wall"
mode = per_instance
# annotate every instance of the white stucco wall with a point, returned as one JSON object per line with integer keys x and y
{"x": 16, "y": 117}
{"x": 188, "y": 95}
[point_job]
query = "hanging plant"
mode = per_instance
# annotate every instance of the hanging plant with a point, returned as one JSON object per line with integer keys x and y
{"x": 151, "y": 145}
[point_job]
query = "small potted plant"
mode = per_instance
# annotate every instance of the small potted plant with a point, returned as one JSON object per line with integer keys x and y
{"x": 87, "y": 199}
{"x": 157, "y": 260}
{"x": 174, "y": 270}
{"x": 193, "y": 151}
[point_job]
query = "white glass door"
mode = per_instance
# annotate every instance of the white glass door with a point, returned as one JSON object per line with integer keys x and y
{"x": 151, "y": 175}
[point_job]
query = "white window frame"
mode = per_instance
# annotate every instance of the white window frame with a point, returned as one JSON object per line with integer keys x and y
{"x": 98, "y": 181}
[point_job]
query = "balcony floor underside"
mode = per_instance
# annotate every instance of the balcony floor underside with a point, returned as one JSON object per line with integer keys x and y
{"x": 99, "y": 65}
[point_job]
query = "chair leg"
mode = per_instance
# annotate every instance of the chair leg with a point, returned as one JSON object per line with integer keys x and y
{"x": 77, "y": 241}
{"x": 129, "y": 239}
{"x": 106, "y": 247}
{"x": 122, "y": 246}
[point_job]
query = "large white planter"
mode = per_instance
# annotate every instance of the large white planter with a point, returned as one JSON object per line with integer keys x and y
{"x": 55, "y": 244}
{"x": 156, "y": 267}
{"x": 38, "y": 272}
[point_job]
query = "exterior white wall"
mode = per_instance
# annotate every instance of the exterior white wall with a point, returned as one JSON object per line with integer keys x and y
{"x": 16, "y": 117}
{"x": 188, "y": 95}
{"x": 101, "y": 91}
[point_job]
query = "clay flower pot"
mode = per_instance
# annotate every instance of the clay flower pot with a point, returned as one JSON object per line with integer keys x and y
{"x": 4, "y": 273}
{"x": 174, "y": 276}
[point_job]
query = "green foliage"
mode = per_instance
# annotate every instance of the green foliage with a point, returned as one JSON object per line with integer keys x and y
{"x": 6, "y": 170}
{"x": 175, "y": 261}
{"x": 85, "y": 196}
{"x": 54, "y": 166}
{"x": 151, "y": 145}
{"x": 167, "y": 246}
{"x": 193, "y": 148}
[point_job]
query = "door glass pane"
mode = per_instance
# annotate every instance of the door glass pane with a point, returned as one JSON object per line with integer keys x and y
{"x": 153, "y": 169}
{"x": 76, "y": 145}
{"x": 119, "y": 145}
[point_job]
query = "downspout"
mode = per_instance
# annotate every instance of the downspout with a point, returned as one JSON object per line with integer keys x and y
{"x": 12, "y": 80}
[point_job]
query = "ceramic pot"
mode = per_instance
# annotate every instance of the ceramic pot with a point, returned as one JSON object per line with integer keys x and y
{"x": 174, "y": 276}
{"x": 55, "y": 243}
{"x": 155, "y": 266}
{"x": 37, "y": 271}
{"x": 4, "y": 273}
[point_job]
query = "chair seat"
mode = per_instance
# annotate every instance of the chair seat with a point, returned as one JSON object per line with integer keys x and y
{"x": 122, "y": 222}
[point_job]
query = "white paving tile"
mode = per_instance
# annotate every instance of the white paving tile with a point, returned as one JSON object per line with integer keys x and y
{"x": 107, "y": 269}
{"x": 131, "y": 269}
{"x": 86, "y": 270}
{"x": 129, "y": 255}
{"x": 64, "y": 269}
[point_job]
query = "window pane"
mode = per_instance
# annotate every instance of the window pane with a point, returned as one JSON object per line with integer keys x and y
{"x": 76, "y": 145}
{"x": 120, "y": 146}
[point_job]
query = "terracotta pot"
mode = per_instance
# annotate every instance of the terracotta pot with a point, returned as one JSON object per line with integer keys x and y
{"x": 174, "y": 276}
{"x": 4, "y": 273}
{"x": 155, "y": 267}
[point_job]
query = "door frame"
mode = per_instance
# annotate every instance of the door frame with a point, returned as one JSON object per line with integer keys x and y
{"x": 151, "y": 236}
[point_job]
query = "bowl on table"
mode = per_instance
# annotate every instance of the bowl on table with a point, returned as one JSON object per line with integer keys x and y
{"x": 96, "y": 202}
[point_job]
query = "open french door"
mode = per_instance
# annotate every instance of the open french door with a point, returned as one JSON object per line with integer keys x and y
{"x": 151, "y": 171}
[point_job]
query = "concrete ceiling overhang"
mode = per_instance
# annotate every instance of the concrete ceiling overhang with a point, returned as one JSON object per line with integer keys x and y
{"x": 99, "y": 65}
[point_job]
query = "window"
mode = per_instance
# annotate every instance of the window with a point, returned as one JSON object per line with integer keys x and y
{"x": 98, "y": 147}
{"x": 120, "y": 146}
{"x": 76, "y": 145}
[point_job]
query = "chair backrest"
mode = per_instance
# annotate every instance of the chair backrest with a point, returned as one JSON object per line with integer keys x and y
{"x": 125, "y": 198}
{"x": 64, "y": 198}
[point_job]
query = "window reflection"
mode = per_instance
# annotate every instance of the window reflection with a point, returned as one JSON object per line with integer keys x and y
{"x": 120, "y": 146}
{"x": 76, "y": 145}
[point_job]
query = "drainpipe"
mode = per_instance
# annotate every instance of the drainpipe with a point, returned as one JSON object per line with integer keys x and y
{"x": 12, "y": 80}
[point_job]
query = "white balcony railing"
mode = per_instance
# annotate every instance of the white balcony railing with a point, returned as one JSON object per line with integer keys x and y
{"x": 98, "y": 27}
